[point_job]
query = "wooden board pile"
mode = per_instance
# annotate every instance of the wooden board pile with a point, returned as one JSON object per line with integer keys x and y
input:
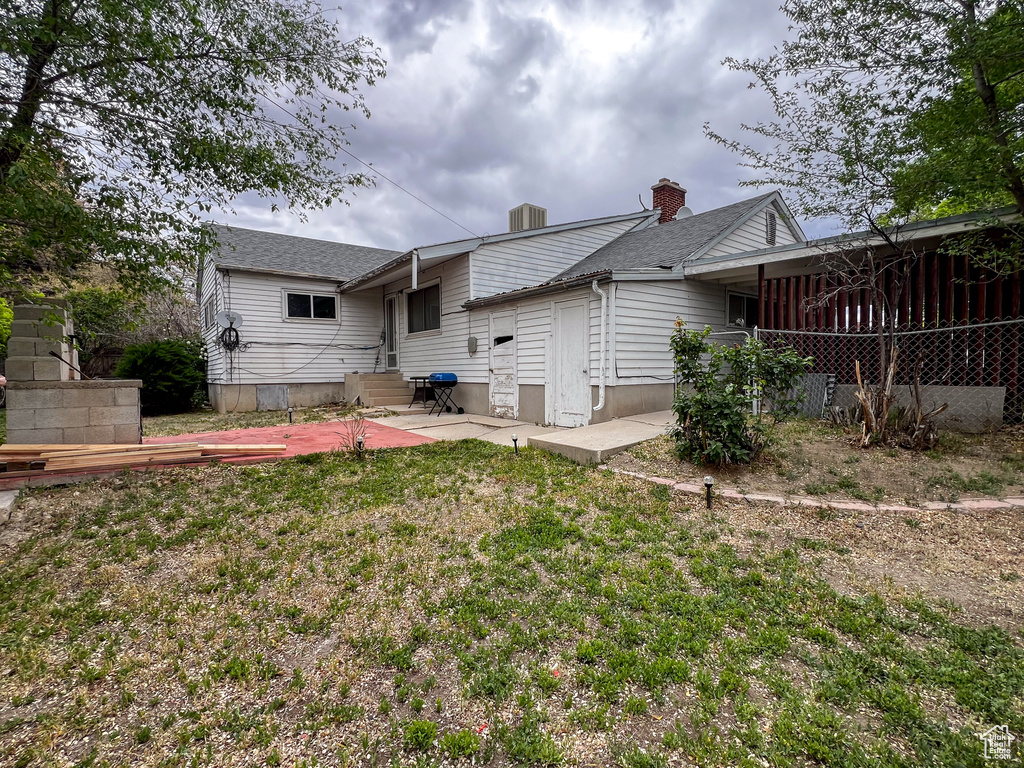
{"x": 38, "y": 459}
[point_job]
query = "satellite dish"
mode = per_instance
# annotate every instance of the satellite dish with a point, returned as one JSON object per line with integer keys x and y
{"x": 229, "y": 319}
{"x": 683, "y": 213}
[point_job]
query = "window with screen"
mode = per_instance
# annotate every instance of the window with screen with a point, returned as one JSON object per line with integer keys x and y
{"x": 742, "y": 310}
{"x": 312, "y": 306}
{"x": 769, "y": 227}
{"x": 210, "y": 313}
{"x": 424, "y": 309}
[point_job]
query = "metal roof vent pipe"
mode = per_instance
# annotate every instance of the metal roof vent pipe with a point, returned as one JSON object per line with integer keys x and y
{"x": 527, "y": 216}
{"x": 669, "y": 197}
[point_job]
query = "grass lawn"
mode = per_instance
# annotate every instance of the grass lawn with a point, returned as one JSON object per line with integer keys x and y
{"x": 814, "y": 458}
{"x": 456, "y": 602}
{"x": 211, "y": 421}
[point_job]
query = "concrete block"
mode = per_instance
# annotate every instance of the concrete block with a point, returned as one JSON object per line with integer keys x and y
{"x": 51, "y": 369}
{"x": 20, "y": 368}
{"x": 127, "y": 433}
{"x": 75, "y": 435}
{"x": 43, "y": 348}
{"x": 39, "y": 312}
{"x": 86, "y": 398}
{"x": 99, "y": 434}
{"x": 126, "y": 396}
{"x": 21, "y": 418}
{"x": 35, "y": 435}
{"x": 62, "y": 418}
{"x": 7, "y": 502}
{"x": 26, "y": 329}
{"x": 118, "y": 414}
{"x": 21, "y": 348}
{"x": 34, "y": 398}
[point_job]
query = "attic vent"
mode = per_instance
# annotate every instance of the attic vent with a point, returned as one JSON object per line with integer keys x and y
{"x": 769, "y": 227}
{"x": 527, "y": 216}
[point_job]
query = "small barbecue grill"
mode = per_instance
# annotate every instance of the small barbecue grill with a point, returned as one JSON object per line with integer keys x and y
{"x": 443, "y": 384}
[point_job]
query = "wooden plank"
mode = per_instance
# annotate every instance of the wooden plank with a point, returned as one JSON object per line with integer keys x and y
{"x": 233, "y": 449}
{"x": 121, "y": 459}
{"x": 101, "y": 449}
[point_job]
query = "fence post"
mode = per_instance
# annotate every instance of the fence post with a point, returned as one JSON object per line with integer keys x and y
{"x": 757, "y": 400}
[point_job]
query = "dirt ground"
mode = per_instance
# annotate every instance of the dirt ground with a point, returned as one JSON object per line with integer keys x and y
{"x": 818, "y": 460}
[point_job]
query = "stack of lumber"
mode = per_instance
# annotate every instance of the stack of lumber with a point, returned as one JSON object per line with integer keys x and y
{"x": 50, "y": 459}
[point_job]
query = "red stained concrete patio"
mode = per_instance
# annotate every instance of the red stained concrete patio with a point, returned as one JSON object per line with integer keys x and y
{"x": 300, "y": 438}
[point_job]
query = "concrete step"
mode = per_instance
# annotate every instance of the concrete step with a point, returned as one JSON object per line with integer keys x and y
{"x": 380, "y": 378}
{"x": 376, "y": 392}
{"x": 599, "y": 442}
{"x": 375, "y": 401}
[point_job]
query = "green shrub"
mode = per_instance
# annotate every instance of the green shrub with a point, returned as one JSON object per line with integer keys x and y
{"x": 172, "y": 373}
{"x": 420, "y": 734}
{"x": 720, "y": 384}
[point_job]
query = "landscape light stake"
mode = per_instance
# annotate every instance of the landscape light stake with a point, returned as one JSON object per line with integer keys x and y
{"x": 359, "y": 445}
{"x": 709, "y": 482}
{"x": 515, "y": 442}
{"x": 289, "y": 415}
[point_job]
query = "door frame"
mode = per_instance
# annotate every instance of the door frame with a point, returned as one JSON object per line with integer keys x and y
{"x": 552, "y": 403}
{"x": 392, "y": 335}
{"x": 513, "y": 315}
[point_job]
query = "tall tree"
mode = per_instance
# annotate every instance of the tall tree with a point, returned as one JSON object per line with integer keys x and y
{"x": 124, "y": 122}
{"x": 887, "y": 110}
{"x": 886, "y": 107}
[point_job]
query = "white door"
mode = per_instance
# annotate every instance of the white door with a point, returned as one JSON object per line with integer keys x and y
{"x": 571, "y": 364}
{"x": 391, "y": 332}
{"x": 504, "y": 389}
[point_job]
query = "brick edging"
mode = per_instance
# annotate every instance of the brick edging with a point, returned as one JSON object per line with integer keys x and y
{"x": 967, "y": 505}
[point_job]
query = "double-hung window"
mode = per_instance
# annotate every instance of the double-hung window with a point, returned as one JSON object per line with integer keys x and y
{"x": 311, "y": 306}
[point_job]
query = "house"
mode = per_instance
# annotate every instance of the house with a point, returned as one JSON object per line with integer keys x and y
{"x": 566, "y": 324}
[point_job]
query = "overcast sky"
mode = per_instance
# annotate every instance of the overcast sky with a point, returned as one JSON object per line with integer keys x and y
{"x": 578, "y": 106}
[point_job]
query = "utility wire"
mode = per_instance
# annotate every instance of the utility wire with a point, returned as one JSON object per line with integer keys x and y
{"x": 410, "y": 194}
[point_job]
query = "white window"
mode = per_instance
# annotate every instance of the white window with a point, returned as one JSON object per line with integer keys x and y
{"x": 311, "y": 306}
{"x": 742, "y": 310}
{"x": 423, "y": 308}
{"x": 210, "y": 313}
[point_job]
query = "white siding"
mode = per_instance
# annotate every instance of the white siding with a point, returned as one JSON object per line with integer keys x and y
{"x": 750, "y": 236}
{"x": 645, "y": 316}
{"x": 506, "y": 266}
{"x": 211, "y": 289}
{"x": 295, "y": 351}
{"x": 424, "y": 353}
{"x": 535, "y": 329}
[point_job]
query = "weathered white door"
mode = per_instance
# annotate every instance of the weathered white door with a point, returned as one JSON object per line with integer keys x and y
{"x": 504, "y": 388}
{"x": 571, "y": 364}
{"x": 391, "y": 332}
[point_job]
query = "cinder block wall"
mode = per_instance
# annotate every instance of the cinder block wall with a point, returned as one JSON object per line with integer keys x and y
{"x": 71, "y": 412}
{"x": 45, "y": 401}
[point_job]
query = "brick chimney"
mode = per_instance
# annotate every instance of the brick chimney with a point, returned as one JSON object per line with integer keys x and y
{"x": 669, "y": 197}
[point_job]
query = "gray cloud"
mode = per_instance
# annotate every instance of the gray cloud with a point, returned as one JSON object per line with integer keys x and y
{"x": 576, "y": 105}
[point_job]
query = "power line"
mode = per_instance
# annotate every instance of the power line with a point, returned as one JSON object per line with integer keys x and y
{"x": 410, "y": 194}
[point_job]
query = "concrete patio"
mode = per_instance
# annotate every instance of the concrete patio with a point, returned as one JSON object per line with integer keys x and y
{"x": 585, "y": 445}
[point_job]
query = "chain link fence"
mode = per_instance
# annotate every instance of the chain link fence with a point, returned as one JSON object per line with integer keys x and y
{"x": 975, "y": 369}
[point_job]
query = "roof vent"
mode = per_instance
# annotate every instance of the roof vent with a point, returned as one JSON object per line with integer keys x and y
{"x": 527, "y": 216}
{"x": 683, "y": 213}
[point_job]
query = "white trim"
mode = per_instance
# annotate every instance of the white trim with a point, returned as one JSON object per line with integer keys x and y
{"x": 289, "y": 319}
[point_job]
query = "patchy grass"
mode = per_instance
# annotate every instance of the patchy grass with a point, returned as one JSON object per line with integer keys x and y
{"x": 211, "y": 421}
{"x": 304, "y": 612}
{"x": 813, "y": 458}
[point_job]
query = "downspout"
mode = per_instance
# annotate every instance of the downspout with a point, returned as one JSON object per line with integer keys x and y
{"x": 604, "y": 324}
{"x": 415, "y": 268}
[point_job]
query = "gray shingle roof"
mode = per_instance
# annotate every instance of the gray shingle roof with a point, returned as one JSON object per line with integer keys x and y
{"x": 258, "y": 251}
{"x": 664, "y": 245}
